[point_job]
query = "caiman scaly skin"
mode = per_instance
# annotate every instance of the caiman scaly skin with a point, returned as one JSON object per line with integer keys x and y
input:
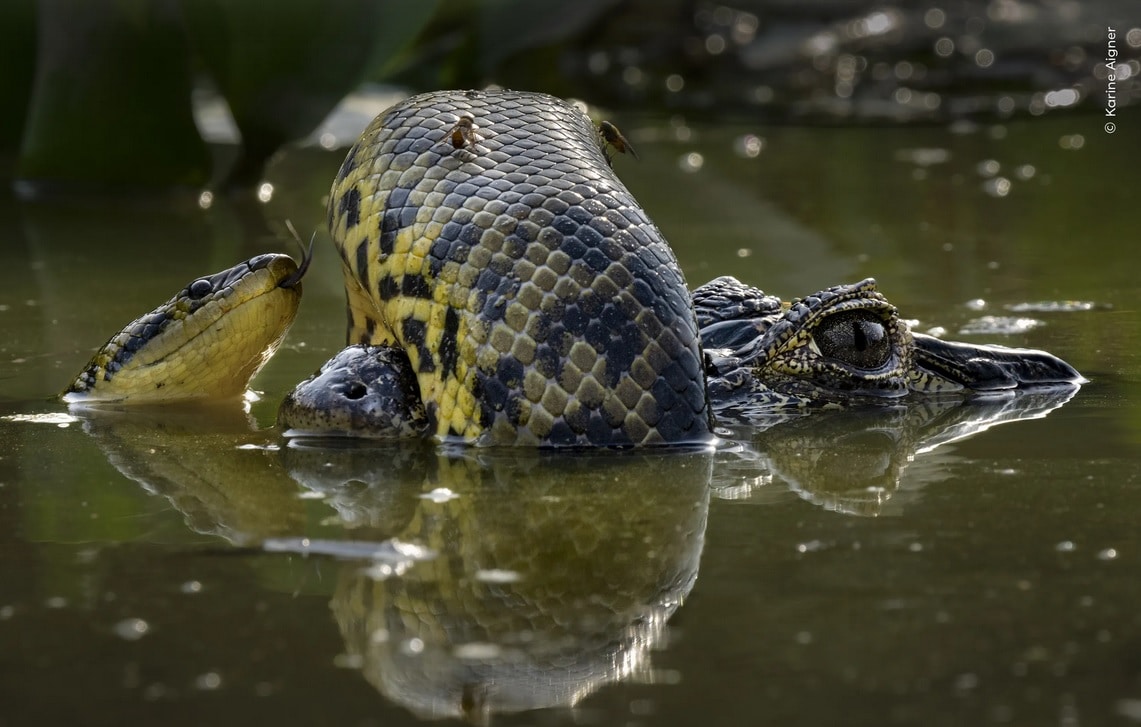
{"x": 485, "y": 234}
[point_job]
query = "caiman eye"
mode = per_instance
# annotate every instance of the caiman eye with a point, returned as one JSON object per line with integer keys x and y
{"x": 199, "y": 289}
{"x": 856, "y": 338}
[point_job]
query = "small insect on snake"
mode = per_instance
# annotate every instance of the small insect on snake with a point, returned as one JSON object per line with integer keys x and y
{"x": 464, "y": 133}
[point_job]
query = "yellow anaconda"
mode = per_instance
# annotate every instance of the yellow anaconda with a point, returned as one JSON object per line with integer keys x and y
{"x": 206, "y": 342}
{"x": 484, "y": 233}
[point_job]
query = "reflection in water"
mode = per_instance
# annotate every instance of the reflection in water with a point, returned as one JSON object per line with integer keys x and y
{"x": 553, "y": 575}
{"x": 475, "y": 582}
{"x": 852, "y": 461}
{"x": 206, "y": 460}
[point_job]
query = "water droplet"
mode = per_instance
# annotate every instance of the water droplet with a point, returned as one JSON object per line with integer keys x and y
{"x": 1066, "y": 546}
{"x": 1052, "y": 306}
{"x": 691, "y": 162}
{"x": 1107, "y": 554}
{"x": 1061, "y": 98}
{"x": 999, "y": 325}
{"x": 748, "y": 146}
{"x": 209, "y": 681}
{"x": 923, "y": 156}
{"x": 1072, "y": 141}
{"x": 132, "y": 629}
{"x": 497, "y": 575}
{"x": 988, "y": 168}
{"x": 191, "y": 587}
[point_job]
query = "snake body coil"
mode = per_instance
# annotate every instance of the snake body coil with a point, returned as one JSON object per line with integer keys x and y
{"x": 485, "y": 234}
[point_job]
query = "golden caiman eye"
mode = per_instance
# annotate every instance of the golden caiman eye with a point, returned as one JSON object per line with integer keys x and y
{"x": 857, "y": 338}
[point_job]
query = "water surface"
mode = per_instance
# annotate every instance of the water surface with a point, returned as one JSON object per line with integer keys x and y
{"x": 939, "y": 565}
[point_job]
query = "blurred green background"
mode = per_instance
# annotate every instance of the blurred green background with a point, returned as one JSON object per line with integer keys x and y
{"x": 954, "y": 150}
{"x": 109, "y": 93}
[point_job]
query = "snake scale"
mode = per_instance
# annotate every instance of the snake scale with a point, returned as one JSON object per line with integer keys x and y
{"x": 485, "y": 234}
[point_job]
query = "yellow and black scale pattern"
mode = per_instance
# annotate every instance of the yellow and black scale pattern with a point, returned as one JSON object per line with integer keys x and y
{"x": 484, "y": 233}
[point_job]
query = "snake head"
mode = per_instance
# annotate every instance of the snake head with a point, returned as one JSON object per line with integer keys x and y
{"x": 206, "y": 342}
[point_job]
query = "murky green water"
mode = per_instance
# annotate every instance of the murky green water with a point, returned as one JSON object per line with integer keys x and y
{"x": 957, "y": 566}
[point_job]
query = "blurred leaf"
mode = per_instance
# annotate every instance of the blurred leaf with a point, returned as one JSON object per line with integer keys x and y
{"x": 283, "y": 66}
{"x": 17, "y": 67}
{"x": 111, "y": 99}
{"x": 509, "y": 26}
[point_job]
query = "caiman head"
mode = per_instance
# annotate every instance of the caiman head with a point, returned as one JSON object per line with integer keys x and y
{"x": 846, "y": 345}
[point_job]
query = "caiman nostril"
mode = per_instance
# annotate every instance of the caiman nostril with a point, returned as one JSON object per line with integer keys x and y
{"x": 355, "y": 390}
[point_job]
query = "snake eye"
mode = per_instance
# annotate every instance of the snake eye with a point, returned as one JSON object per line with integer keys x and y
{"x": 199, "y": 289}
{"x": 857, "y": 338}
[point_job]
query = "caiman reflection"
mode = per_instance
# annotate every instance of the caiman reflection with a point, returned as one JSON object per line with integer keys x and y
{"x": 854, "y": 461}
